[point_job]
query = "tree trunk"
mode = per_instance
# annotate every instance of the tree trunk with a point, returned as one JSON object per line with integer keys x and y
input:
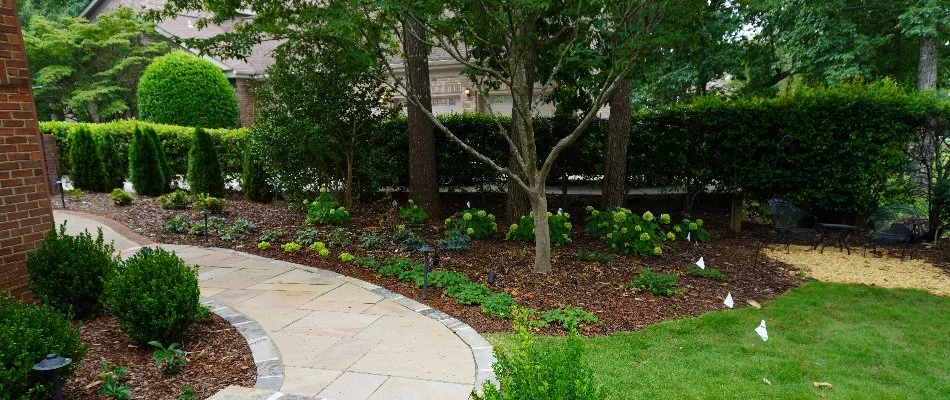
{"x": 518, "y": 200}
{"x": 542, "y": 232}
{"x": 348, "y": 190}
{"x": 614, "y": 186}
{"x": 927, "y": 64}
{"x": 423, "y": 180}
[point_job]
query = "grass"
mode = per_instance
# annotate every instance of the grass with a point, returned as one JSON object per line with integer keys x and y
{"x": 869, "y": 342}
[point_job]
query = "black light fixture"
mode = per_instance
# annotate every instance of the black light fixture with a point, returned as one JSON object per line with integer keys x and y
{"x": 205, "y": 213}
{"x": 54, "y": 363}
{"x": 429, "y": 256}
{"x": 491, "y": 278}
{"x": 62, "y": 193}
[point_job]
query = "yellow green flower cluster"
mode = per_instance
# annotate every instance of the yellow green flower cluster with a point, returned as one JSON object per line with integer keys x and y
{"x": 477, "y": 224}
{"x": 559, "y": 228}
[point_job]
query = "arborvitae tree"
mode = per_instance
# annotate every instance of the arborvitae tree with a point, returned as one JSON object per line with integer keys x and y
{"x": 162, "y": 159}
{"x": 254, "y": 179}
{"x": 204, "y": 169}
{"x": 145, "y": 170}
{"x": 88, "y": 172}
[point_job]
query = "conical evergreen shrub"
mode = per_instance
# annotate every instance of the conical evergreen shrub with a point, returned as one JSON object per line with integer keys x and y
{"x": 254, "y": 179}
{"x": 145, "y": 170}
{"x": 88, "y": 171}
{"x": 162, "y": 159}
{"x": 204, "y": 169}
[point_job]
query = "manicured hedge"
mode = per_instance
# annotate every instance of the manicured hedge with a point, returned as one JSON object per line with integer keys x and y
{"x": 114, "y": 138}
{"x": 182, "y": 89}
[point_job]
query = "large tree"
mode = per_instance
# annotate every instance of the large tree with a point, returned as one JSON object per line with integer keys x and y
{"x": 494, "y": 41}
{"x": 423, "y": 176}
{"x": 89, "y": 71}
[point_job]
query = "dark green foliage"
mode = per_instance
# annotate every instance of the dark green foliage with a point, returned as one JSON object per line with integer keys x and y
{"x": 594, "y": 255}
{"x": 412, "y": 213}
{"x": 177, "y": 200}
{"x": 112, "y": 381}
{"x": 154, "y": 296}
{"x": 271, "y": 235}
{"x": 569, "y": 317}
{"x": 454, "y": 240}
{"x": 477, "y": 224}
{"x": 120, "y": 197}
{"x": 339, "y": 237}
{"x": 372, "y": 239}
{"x": 498, "y": 305}
{"x": 204, "y": 170}
{"x": 559, "y": 226}
{"x": 204, "y": 202}
{"x": 27, "y": 334}
{"x": 445, "y": 278}
{"x": 114, "y": 138}
{"x": 307, "y": 237}
{"x": 656, "y": 283}
{"x": 708, "y": 272}
{"x": 254, "y": 178}
{"x": 538, "y": 372}
{"x": 394, "y": 266}
{"x": 169, "y": 359}
{"x": 88, "y": 171}
{"x": 182, "y": 89}
{"x": 68, "y": 272}
{"x": 325, "y": 210}
{"x": 162, "y": 158}
{"x": 178, "y": 224}
{"x": 145, "y": 167}
{"x": 409, "y": 240}
{"x": 369, "y": 263}
{"x": 468, "y": 293}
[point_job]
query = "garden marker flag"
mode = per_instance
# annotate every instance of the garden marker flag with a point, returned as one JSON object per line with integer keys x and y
{"x": 559, "y": 211}
{"x": 701, "y": 264}
{"x": 687, "y": 236}
{"x": 468, "y": 204}
{"x": 763, "y": 333}
{"x": 728, "y": 302}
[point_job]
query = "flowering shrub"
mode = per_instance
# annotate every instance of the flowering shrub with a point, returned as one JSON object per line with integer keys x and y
{"x": 559, "y": 224}
{"x": 692, "y": 229}
{"x": 640, "y": 234}
{"x": 325, "y": 210}
{"x": 475, "y": 223}
{"x": 412, "y": 213}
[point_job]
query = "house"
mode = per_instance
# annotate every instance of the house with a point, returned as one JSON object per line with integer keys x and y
{"x": 451, "y": 92}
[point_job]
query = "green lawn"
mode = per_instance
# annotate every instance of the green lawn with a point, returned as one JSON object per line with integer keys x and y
{"x": 870, "y": 343}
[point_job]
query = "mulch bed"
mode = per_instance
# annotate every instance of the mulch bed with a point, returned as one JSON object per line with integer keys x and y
{"x": 601, "y": 289}
{"x": 218, "y": 356}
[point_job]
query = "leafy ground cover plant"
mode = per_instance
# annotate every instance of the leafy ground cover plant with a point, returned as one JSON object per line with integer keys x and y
{"x": 264, "y": 245}
{"x": 178, "y": 224}
{"x": 204, "y": 202}
{"x": 177, "y": 200}
{"x": 77, "y": 193}
{"x": 412, "y": 213}
{"x": 68, "y": 272}
{"x": 476, "y": 223}
{"x": 307, "y": 237}
{"x": 594, "y": 255}
{"x": 120, "y": 197}
{"x": 409, "y": 240}
{"x": 154, "y": 296}
{"x": 27, "y": 334}
{"x": 658, "y": 284}
{"x": 169, "y": 359}
{"x": 569, "y": 317}
{"x": 347, "y": 257}
{"x": 291, "y": 247}
{"x": 444, "y": 278}
{"x": 708, "y": 272}
{"x": 112, "y": 378}
{"x": 339, "y": 237}
{"x": 187, "y": 393}
{"x": 530, "y": 371}
{"x": 559, "y": 224}
{"x": 454, "y": 240}
{"x": 498, "y": 305}
{"x": 372, "y": 239}
{"x": 370, "y": 263}
{"x": 693, "y": 230}
{"x": 325, "y": 210}
{"x": 468, "y": 293}
{"x": 271, "y": 235}
{"x": 394, "y": 266}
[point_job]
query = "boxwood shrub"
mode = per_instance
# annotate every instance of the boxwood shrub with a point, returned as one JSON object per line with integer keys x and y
{"x": 155, "y": 296}
{"x": 68, "y": 272}
{"x": 27, "y": 334}
{"x": 180, "y": 88}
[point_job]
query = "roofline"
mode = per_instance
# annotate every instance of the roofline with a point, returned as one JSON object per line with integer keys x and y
{"x": 88, "y": 8}
{"x": 229, "y": 72}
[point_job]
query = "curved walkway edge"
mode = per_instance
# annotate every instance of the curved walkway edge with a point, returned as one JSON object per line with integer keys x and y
{"x": 318, "y": 333}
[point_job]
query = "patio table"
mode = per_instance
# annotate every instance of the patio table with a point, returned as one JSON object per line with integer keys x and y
{"x": 834, "y": 233}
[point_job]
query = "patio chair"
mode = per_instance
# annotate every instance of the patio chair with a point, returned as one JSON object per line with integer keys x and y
{"x": 790, "y": 221}
{"x": 896, "y": 224}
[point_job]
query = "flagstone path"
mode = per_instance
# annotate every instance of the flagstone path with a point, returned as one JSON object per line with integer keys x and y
{"x": 338, "y": 337}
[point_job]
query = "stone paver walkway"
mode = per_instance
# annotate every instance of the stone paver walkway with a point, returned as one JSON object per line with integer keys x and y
{"x": 339, "y": 338}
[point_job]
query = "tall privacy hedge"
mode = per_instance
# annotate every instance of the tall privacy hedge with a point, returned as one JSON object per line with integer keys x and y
{"x": 114, "y": 139}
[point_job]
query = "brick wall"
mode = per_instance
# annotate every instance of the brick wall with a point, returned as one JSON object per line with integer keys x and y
{"x": 25, "y": 213}
{"x": 245, "y": 101}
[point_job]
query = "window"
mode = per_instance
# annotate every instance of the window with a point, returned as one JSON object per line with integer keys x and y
{"x": 444, "y": 102}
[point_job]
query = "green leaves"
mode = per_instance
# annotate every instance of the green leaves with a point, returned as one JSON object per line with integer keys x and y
{"x": 182, "y": 89}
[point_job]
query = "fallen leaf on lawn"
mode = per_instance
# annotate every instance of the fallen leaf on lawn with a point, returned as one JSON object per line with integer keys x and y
{"x": 92, "y": 385}
{"x": 822, "y": 384}
{"x": 767, "y": 382}
{"x": 754, "y": 303}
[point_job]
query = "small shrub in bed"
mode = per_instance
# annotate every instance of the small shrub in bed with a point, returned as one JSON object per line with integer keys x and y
{"x": 594, "y": 255}
{"x": 475, "y": 223}
{"x": 468, "y": 293}
{"x": 27, "y": 334}
{"x": 531, "y": 371}
{"x": 372, "y": 239}
{"x": 656, "y": 283}
{"x": 498, "y": 305}
{"x": 176, "y": 200}
{"x": 559, "y": 226}
{"x": 120, "y": 197}
{"x": 569, "y": 317}
{"x": 454, "y": 240}
{"x": 307, "y": 237}
{"x": 412, "y": 213}
{"x": 291, "y": 247}
{"x": 444, "y": 278}
{"x": 68, "y": 272}
{"x": 325, "y": 210}
{"x": 271, "y": 235}
{"x": 711, "y": 273}
{"x": 213, "y": 205}
{"x": 154, "y": 296}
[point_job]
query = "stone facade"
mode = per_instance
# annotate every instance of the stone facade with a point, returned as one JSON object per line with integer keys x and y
{"x": 25, "y": 212}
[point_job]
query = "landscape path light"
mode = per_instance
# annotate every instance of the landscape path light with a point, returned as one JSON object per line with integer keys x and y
{"x": 54, "y": 363}
{"x": 429, "y": 258}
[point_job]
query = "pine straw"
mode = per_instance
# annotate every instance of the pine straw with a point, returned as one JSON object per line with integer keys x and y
{"x": 874, "y": 269}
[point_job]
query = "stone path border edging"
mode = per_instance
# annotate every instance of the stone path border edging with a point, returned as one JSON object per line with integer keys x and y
{"x": 270, "y": 368}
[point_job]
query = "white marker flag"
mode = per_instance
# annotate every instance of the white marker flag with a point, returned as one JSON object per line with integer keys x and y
{"x": 468, "y": 204}
{"x": 687, "y": 236}
{"x": 763, "y": 333}
{"x": 701, "y": 263}
{"x": 728, "y": 302}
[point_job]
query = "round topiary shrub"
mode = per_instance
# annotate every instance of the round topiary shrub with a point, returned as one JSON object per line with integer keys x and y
{"x": 68, "y": 272}
{"x": 155, "y": 296}
{"x": 27, "y": 334}
{"x": 182, "y": 89}
{"x": 145, "y": 169}
{"x": 88, "y": 171}
{"x": 204, "y": 169}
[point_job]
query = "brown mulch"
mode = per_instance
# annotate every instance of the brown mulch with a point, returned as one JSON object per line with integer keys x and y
{"x": 218, "y": 356}
{"x": 601, "y": 289}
